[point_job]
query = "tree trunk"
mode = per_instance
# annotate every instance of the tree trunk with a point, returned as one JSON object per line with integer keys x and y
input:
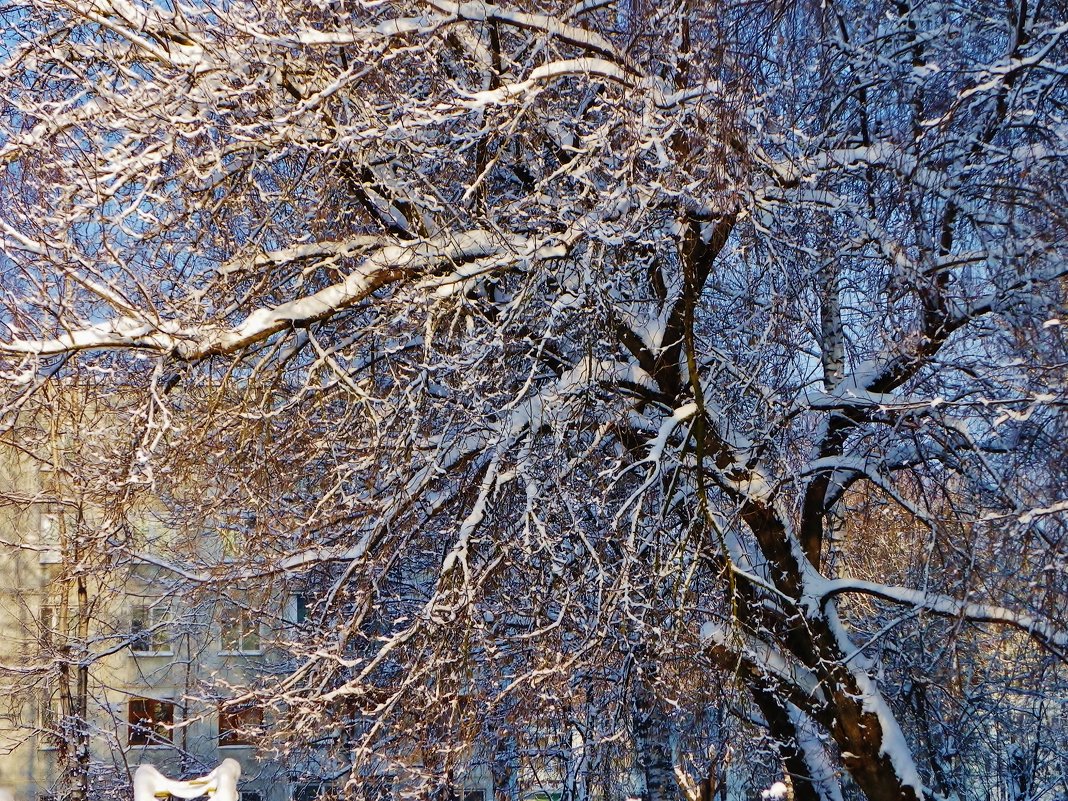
{"x": 505, "y": 768}
{"x": 80, "y": 783}
{"x": 791, "y": 750}
{"x": 652, "y": 738}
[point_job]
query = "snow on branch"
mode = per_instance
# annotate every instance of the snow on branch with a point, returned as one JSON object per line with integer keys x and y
{"x": 1053, "y": 509}
{"x": 388, "y": 264}
{"x": 295, "y": 561}
{"x": 546, "y": 72}
{"x": 161, "y": 34}
{"x": 478, "y": 11}
{"x": 398, "y": 26}
{"x": 1041, "y": 630}
{"x": 763, "y": 658}
{"x": 888, "y": 155}
{"x": 321, "y": 252}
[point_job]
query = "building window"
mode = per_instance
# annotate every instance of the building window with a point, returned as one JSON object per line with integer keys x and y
{"x": 50, "y": 716}
{"x": 51, "y": 709}
{"x": 49, "y": 538}
{"x": 377, "y": 788}
{"x": 239, "y": 725}
{"x": 240, "y": 629}
{"x": 544, "y": 795}
{"x": 315, "y": 791}
{"x": 148, "y": 630}
{"x": 151, "y": 721}
{"x": 250, "y": 795}
{"x": 53, "y": 623}
{"x": 309, "y": 792}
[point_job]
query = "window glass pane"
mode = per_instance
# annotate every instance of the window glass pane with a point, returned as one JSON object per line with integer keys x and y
{"x": 229, "y": 626}
{"x": 315, "y": 791}
{"x": 148, "y": 630}
{"x": 141, "y": 640}
{"x": 151, "y": 721}
{"x": 239, "y": 726}
{"x": 51, "y": 708}
{"x": 377, "y": 788}
{"x": 239, "y": 629}
{"x": 250, "y": 637}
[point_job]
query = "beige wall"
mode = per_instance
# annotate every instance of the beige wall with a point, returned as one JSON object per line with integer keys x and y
{"x": 33, "y": 577}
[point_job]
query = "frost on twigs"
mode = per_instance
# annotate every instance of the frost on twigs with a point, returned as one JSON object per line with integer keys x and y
{"x": 565, "y": 386}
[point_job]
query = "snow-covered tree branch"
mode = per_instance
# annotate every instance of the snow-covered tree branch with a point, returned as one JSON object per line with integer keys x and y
{"x": 657, "y": 375}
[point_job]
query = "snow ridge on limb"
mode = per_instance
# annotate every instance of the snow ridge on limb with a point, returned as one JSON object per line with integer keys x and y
{"x": 763, "y": 657}
{"x": 290, "y": 563}
{"x": 388, "y": 264}
{"x": 589, "y": 67}
{"x": 1043, "y": 631}
{"x": 822, "y": 772}
{"x": 479, "y": 11}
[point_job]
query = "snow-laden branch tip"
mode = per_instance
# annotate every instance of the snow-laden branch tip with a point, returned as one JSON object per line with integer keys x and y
{"x": 1053, "y": 509}
{"x": 598, "y": 67}
{"x": 479, "y": 11}
{"x": 886, "y": 154}
{"x": 1038, "y": 628}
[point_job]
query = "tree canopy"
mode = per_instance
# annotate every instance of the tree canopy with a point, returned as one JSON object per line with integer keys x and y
{"x": 648, "y": 370}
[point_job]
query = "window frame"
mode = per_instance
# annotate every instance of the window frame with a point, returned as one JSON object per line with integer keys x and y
{"x": 160, "y": 733}
{"x": 50, "y": 715}
{"x": 53, "y": 623}
{"x": 233, "y": 720}
{"x": 154, "y": 619}
{"x": 248, "y": 625}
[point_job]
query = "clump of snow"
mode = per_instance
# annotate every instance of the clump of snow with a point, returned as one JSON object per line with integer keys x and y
{"x": 777, "y": 792}
{"x": 220, "y": 784}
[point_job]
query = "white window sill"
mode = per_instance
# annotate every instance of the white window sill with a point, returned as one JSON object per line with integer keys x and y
{"x": 240, "y": 653}
{"x": 152, "y": 653}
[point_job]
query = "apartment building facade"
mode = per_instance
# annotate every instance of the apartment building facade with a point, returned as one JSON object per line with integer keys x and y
{"x": 101, "y": 640}
{"x": 105, "y": 662}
